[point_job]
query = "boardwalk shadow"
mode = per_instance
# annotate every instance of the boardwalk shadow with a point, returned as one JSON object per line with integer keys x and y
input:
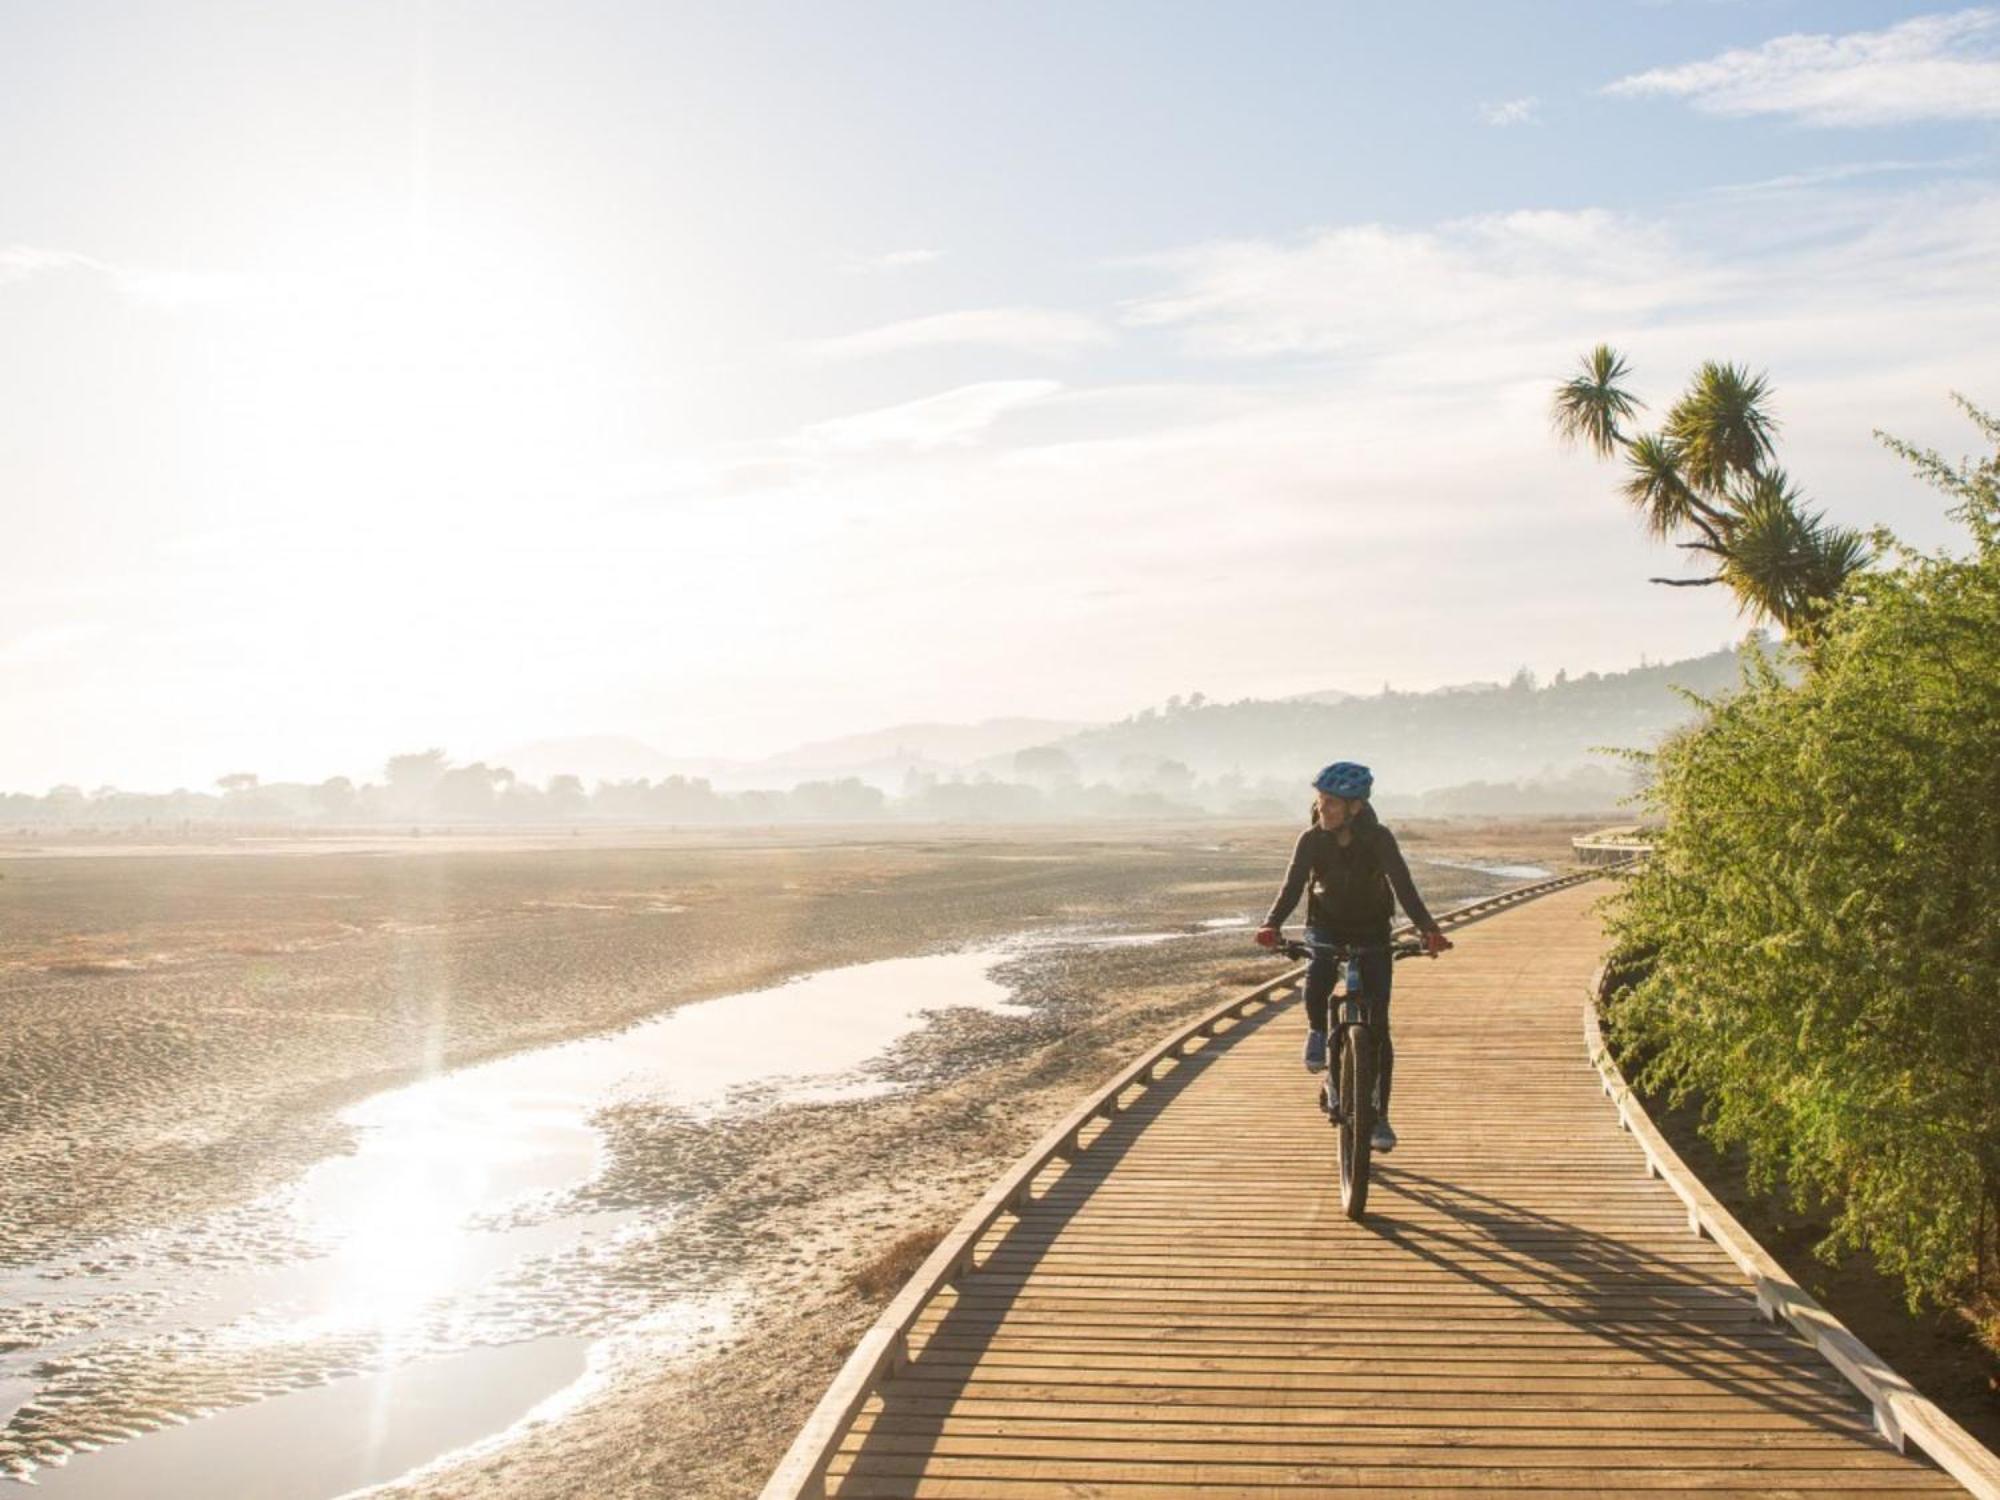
{"x": 919, "y": 1414}
{"x": 1627, "y": 1295}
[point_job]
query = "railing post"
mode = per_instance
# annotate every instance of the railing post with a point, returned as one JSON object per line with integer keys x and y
{"x": 1888, "y": 1426}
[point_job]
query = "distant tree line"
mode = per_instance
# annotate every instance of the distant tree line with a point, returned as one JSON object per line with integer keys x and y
{"x": 1525, "y": 747}
{"x": 1520, "y": 735}
{"x": 1042, "y": 784}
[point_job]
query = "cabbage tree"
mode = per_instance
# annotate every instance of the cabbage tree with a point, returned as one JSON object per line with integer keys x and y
{"x": 1708, "y": 483}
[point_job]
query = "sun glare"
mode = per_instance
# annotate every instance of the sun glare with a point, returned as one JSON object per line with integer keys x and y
{"x": 375, "y": 375}
{"x": 396, "y": 1214}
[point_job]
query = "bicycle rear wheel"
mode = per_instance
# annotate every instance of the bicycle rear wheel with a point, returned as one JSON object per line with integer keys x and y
{"x": 1357, "y": 1116}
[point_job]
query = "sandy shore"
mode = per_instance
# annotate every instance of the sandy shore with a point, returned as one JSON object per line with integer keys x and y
{"x": 182, "y": 1030}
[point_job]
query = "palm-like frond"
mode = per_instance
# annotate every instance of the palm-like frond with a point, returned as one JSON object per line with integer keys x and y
{"x": 1784, "y": 562}
{"x": 1589, "y": 406}
{"x": 1770, "y": 547}
{"x": 1654, "y": 485}
{"x": 1839, "y": 553}
{"x": 1723, "y": 426}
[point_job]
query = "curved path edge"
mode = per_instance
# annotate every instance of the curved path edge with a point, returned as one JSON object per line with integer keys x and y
{"x": 801, "y": 1474}
{"x": 1902, "y": 1414}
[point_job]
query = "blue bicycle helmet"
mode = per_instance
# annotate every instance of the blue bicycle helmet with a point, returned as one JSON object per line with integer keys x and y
{"x": 1344, "y": 778}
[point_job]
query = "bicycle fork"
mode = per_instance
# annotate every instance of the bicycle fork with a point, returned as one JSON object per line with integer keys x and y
{"x": 1347, "y": 1013}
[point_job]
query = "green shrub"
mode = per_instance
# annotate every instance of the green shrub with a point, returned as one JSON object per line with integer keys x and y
{"x": 1821, "y": 914}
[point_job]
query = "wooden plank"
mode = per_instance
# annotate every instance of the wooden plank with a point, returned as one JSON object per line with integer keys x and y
{"x": 1456, "y": 1398}
{"x": 1000, "y": 1488}
{"x": 1432, "y": 1449}
{"x": 1057, "y": 1474}
{"x": 1341, "y": 1423}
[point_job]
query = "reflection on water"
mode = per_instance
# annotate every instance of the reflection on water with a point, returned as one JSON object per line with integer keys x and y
{"x": 1114, "y": 939}
{"x": 1506, "y": 872}
{"x": 332, "y": 1438}
{"x": 437, "y": 1161}
{"x": 440, "y": 1230}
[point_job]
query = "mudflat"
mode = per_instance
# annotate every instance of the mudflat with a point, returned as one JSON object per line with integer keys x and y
{"x": 183, "y": 1025}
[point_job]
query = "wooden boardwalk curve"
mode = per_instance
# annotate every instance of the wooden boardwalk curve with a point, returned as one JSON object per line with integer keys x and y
{"x": 1184, "y": 1308}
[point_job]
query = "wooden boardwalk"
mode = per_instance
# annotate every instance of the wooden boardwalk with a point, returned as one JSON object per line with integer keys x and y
{"x": 1184, "y": 1308}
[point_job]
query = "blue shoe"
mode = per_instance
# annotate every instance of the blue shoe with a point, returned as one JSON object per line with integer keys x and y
{"x": 1383, "y": 1139}
{"x": 1315, "y": 1051}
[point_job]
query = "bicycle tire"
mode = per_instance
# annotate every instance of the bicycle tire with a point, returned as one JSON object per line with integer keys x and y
{"x": 1357, "y": 1119}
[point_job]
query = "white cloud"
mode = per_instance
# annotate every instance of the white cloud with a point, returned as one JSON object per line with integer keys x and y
{"x": 149, "y": 287}
{"x": 1940, "y": 67}
{"x": 950, "y": 419}
{"x": 46, "y": 643}
{"x": 20, "y": 262}
{"x": 1484, "y": 298}
{"x": 1028, "y": 330}
{"x": 1375, "y": 288}
{"x": 893, "y": 260}
{"x": 1521, "y": 111}
{"x": 1846, "y": 172}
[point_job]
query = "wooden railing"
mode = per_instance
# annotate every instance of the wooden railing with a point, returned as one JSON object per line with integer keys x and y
{"x": 884, "y": 1349}
{"x": 1611, "y": 846}
{"x": 1902, "y": 1414}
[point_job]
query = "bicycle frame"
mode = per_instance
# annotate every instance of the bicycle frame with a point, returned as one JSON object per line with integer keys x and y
{"x": 1345, "y": 1010}
{"x": 1349, "y": 1091}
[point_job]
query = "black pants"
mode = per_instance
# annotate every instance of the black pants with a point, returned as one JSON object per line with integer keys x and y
{"x": 1370, "y": 974}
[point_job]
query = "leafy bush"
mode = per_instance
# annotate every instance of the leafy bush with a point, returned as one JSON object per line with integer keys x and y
{"x": 1820, "y": 917}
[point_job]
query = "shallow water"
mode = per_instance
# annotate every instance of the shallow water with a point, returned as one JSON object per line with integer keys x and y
{"x": 431, "y": 1279}
{"x": 1506, "y": 872}
{"x": 332, "y": 1438}
{"x": 483, "y": 1139}
{"x": 1107, "y": 940}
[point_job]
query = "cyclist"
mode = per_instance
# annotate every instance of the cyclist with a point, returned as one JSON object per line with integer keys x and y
{"x": 1357, "y": 876}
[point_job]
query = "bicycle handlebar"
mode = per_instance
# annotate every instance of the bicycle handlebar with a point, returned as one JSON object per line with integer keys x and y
{"x": 1297, "y": 950}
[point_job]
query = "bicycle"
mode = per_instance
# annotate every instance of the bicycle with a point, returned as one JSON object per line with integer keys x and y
{"x": 1347, "y": 1094}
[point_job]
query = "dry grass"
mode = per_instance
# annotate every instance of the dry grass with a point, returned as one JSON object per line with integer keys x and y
{"x": 884, "y": 1276}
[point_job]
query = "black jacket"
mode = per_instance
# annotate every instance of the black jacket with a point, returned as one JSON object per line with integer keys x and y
{"x": 1351, "y": 898}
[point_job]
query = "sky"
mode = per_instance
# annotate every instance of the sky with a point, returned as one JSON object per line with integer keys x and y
{"x": 383, "y": 375}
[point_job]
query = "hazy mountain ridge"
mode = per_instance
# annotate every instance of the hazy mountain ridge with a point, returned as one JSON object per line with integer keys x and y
{"x": 947, "y": 745}
{"x": 881, "y": 757}
{"x": 1523, "y": 747}
{"x": 603, "y": 757}
{"x": 1417, "y": 742}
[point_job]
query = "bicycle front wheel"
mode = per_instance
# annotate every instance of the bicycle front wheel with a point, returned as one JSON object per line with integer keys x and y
{"x": 1357, "y": 1117}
